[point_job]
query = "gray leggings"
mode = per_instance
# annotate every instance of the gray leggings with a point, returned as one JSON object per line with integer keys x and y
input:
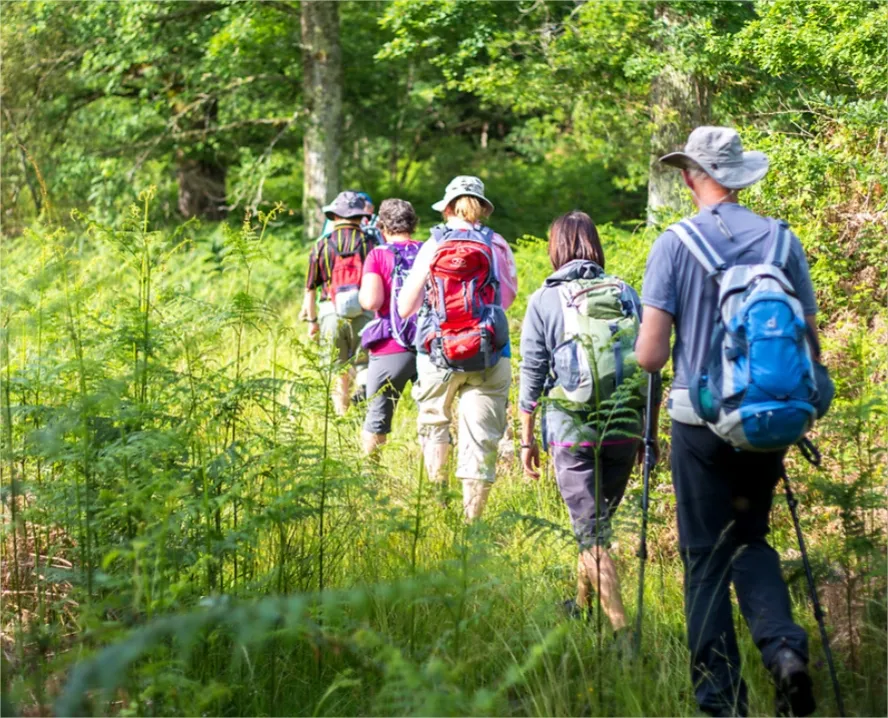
{"x": 387, "y": 375}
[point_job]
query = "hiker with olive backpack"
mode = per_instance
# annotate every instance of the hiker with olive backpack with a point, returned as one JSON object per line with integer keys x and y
{"x": 579, "y": 373}
{"x": 390, "y": 340}
{"x": 462, "y": 281}
{"x": 737, "y": 289}
{"x": 335, "y": 268}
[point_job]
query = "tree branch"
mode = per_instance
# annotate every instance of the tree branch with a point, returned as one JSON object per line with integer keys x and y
{"x": 196, "y": 8}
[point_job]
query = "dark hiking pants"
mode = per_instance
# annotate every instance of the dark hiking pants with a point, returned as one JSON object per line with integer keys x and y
{"x": 723, "y": 498}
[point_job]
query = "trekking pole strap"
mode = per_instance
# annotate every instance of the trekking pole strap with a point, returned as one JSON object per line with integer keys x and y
{"x": 810, "y": 452}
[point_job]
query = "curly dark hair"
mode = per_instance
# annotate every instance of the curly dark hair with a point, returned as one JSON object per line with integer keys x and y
{"x": 397, "y": 216}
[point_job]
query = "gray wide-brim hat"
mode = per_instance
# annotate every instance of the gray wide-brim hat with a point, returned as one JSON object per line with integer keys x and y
{"x": 719, "y": 153}
{"x": 459, "y": 187}
{"x": 347, "y": 204}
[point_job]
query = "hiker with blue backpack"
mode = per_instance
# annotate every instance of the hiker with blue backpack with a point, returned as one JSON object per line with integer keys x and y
{"x": 335, "y": 267}
{"x": 736, "y": 288}
{"x": 389, "y": 339}
{"x": 462, "y": 281}
{"x": 579, "y": 373}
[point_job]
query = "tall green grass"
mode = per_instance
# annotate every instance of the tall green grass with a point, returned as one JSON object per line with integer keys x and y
{"x": 189, "y": 529}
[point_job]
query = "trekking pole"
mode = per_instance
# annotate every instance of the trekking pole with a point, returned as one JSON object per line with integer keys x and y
{"x": 649, "y": 440}
{"x": 812, "y": 455}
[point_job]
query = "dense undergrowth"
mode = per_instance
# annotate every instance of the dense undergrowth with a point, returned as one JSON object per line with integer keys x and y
{"x": 188, "y": 529}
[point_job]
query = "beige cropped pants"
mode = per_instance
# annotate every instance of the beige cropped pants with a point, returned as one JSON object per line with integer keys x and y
{"x": 482, "y": 397}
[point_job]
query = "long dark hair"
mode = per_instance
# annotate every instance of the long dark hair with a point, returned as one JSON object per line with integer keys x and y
{"x": 573, "y": 236}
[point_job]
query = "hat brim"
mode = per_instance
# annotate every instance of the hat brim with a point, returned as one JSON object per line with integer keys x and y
{"x": 441, "y": 205}
{"x": 331, "y": 212}
{"x": 751, "y": 170}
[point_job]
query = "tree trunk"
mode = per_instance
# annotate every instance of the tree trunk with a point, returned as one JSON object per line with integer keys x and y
{"x": 679, "y": 103}
{"x": 201, "y": 177}
{"x": 322, "y": 78}
{"x": 201, "y": 188}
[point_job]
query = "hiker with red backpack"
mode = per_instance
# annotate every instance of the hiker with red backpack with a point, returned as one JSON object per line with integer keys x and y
{"x": 579, "y": 373}
{"x": 335, "y": 267}
{"x": 462, "y": 281}
{"x": 389, "y": 339}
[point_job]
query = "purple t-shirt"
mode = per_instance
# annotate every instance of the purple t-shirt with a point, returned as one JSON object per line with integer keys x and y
{"x": 677, "y": 283}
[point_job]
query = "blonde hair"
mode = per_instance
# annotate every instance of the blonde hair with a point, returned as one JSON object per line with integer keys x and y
{"x": 469, "y": 208}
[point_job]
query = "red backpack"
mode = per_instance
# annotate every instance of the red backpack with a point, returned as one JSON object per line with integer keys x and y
{"x": 464, "y": 327}
{"x": 345, "y": 277}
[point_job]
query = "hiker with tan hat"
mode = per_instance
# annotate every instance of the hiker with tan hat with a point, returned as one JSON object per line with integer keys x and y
{"x": 463, "y": 279}
{"x": 335, "y": 267}
{"x": 743, "y": 391}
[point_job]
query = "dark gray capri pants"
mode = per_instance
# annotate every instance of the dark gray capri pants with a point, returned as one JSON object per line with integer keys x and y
{"x": 575, "y": 476}
{"x": 387, "y": 375}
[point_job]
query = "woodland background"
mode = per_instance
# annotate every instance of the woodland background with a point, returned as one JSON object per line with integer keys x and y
{"x": 187, "y": 529}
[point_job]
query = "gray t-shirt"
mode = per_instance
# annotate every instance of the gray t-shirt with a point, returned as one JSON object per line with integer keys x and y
{"x": 676, "y": 282}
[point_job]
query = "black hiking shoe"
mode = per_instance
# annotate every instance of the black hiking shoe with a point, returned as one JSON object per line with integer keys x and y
{"x": 795, "y": 694}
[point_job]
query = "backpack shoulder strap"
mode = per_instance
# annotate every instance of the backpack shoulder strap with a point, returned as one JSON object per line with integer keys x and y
{"x": 780, "y": 244}
{"x": 696, "y": 243}
{"x": 487, "y": 233}
{"x": 400, "y": 256}
{"x": 439, "y": 232}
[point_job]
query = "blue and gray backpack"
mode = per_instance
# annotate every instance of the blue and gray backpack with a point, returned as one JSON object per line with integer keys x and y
{"x": 757, "y": 389}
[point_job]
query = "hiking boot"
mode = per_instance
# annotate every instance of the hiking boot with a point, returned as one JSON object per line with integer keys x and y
{"x": 794, "y": 686}
{"x": 571, "y": 609}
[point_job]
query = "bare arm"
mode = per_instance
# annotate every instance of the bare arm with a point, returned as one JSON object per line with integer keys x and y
{"x": 309, "y": 311}
{"x": 372, "y": 291}
{"x": 652, "y": 348}
{"x": 812, "y": 326}
{"x": 410, "y": 297}
{"x": 313, "y": 279}
{"x": 530, "y": 450}
{"x": 528, "y": 421}
{"x": 413, "y": 290}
